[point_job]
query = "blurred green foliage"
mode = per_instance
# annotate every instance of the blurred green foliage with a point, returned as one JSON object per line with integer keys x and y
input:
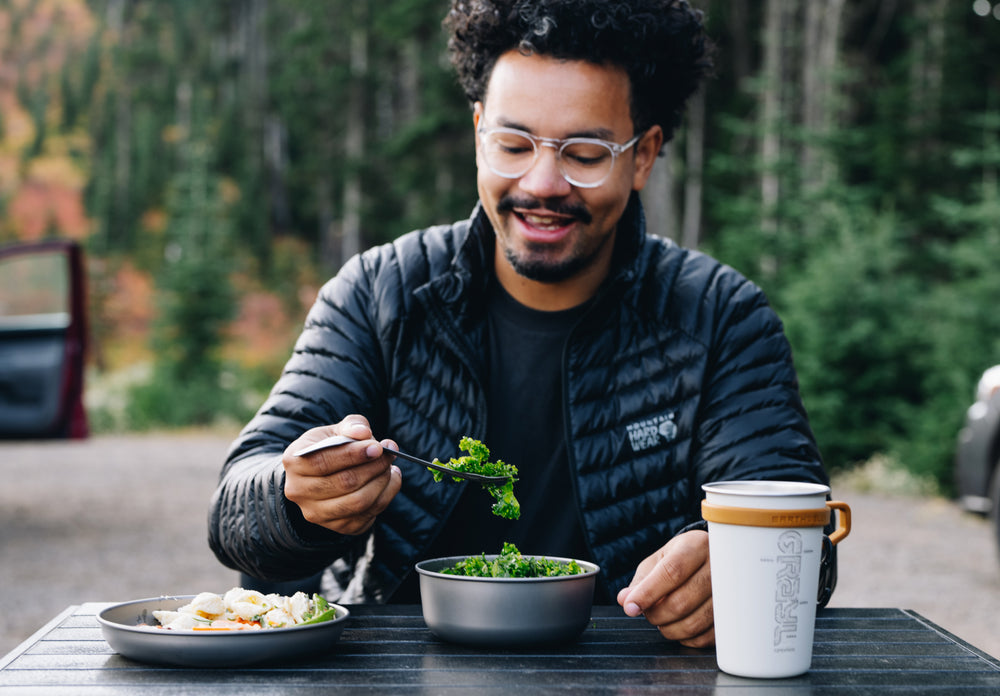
{"x": 265, "y": 134}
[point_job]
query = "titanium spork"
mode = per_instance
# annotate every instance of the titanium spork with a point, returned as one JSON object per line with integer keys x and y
{"x": 335, "y": 440}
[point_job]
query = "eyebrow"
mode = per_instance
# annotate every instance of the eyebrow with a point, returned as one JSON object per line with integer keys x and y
{"x": 598, "y": 133}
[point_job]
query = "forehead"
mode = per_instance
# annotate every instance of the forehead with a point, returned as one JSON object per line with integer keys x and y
{"x": 556, "y": 97}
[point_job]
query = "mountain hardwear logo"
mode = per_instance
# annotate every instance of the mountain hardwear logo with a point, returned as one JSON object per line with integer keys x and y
{"x": 649, "y": 433}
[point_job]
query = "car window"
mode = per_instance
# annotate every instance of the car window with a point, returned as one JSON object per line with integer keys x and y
{"x": 34, "y": 290}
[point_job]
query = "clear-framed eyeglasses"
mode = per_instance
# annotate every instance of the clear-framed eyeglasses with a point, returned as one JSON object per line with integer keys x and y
{"x": 583, "y": 162}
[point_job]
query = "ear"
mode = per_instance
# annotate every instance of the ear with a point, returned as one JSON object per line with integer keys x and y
{"x": 646, "y": 151}
{"x": 477, "y": 116}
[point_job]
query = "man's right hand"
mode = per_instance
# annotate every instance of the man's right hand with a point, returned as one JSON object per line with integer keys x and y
{"x": 342, "y": 488}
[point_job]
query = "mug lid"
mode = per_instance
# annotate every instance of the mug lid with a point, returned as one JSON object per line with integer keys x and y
{"x": 766, "y": 488}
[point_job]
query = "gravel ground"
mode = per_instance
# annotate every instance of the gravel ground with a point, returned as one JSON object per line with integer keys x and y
{"x": 115, "y": 518}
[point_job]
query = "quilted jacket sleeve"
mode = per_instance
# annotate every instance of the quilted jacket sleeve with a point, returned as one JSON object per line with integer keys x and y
{"x": 752, "y": 422}
{"x": 252, "y": 526}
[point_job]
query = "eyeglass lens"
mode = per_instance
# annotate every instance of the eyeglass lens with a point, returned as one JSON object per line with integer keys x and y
{"x": 582, "y": 162}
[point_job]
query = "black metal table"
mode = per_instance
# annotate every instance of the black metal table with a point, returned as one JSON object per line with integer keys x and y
{"x": 389, "y": 650}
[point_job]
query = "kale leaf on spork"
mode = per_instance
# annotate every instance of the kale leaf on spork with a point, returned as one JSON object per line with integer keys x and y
{"x": 477, "y": 461}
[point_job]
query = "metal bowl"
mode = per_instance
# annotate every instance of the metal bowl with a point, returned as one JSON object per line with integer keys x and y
{"x": 128, "y": 629}
{"x": 505, "y": 611}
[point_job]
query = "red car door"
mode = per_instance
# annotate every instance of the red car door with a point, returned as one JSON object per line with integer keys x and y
{"x": 43, "y": 340}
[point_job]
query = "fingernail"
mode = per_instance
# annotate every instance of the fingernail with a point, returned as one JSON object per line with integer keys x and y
{"x": 632, "y": 609}
{"x": 373, "y": 450}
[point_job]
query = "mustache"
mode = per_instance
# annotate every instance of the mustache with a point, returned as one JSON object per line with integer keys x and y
{"x": 507, "y": 204}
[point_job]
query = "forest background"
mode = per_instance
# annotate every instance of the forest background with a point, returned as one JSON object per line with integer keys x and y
{"x": 220, "y": 159}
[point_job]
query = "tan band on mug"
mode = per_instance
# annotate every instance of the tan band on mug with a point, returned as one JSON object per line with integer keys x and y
{"x": 754, "y": 517}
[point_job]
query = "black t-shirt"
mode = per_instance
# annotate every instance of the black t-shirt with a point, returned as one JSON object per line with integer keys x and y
{"x": 526, "y": 429}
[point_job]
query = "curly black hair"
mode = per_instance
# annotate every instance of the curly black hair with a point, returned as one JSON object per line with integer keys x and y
{"x": 661, "y": 45}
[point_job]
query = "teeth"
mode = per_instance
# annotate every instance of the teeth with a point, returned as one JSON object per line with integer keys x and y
{"x": 539, "y": 221}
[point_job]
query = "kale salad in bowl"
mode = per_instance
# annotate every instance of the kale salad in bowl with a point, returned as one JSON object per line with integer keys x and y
{"x": 506, "y": 599}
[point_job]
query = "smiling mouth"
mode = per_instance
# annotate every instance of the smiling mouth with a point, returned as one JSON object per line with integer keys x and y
{"x": 548, "y": 218}
{"x": 549, "y": 223}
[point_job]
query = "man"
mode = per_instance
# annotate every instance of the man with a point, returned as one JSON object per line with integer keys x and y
{"x": 617, "y": 371}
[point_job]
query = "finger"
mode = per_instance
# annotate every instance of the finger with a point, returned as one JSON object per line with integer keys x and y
{"x": 354, "y": 512}
{"x": 705, "y": 640}
{"x": 645, "y": 567}
{"x": 665, "y": 576}
{"x": 390, "y": 491}
{"x": 669, "y": 568}
{"x": 338, "y": 482}
{"x": 334, "y": 459}
{"x": 685, "y": 601}
{"x": 694, "y": 626}
{"x": 354, "y": 426}
{"x": 367, "y": 518}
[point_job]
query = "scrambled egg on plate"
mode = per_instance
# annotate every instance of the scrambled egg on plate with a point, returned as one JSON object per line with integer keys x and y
{"x": 241, "y": 609}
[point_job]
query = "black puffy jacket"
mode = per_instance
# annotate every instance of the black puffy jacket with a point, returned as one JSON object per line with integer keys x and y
{"x": 679, "y": 374}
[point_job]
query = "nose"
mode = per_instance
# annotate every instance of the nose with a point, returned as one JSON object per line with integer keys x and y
{"x": 545, "y": 179}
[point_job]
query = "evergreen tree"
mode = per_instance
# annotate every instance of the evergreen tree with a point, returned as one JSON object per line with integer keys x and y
{"x": 196, "y": 293}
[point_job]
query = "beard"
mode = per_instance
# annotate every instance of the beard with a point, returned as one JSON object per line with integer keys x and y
{"x": 538, "y": 268}
{"x": 534, "y": 264}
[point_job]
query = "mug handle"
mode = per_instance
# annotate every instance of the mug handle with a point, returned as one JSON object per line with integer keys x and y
{"x": 843, "y": 520}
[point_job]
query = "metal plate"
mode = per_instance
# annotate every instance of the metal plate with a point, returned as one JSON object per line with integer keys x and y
{"x": 505, "y": 611}
{"x": 121, "y": 629}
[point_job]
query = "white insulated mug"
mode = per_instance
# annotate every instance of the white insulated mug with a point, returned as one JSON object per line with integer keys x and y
{"x": 765, "y": 541}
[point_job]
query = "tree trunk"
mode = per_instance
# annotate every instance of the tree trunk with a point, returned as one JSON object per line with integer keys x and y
{"x": 410, "y": 107}
{"x": 771, "y": 112}
{"x": 119, "y": 218}
{"x": 926, "y": 81}
{"x": 252, "y": 39}
{"x": 329, "y": 234}
{"x": 657, "y": 196}
{"x": 695, "y": 170}
{"x": 739, "y": 25}
{"x": 812, "y": 92}
{"x": 354, "y": 139}
{"x": 820, "y": 52}
{"x": 275, "y": 152}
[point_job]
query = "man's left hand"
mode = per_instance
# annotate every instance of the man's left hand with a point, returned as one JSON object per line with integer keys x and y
{"x": 673, "y": 589}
